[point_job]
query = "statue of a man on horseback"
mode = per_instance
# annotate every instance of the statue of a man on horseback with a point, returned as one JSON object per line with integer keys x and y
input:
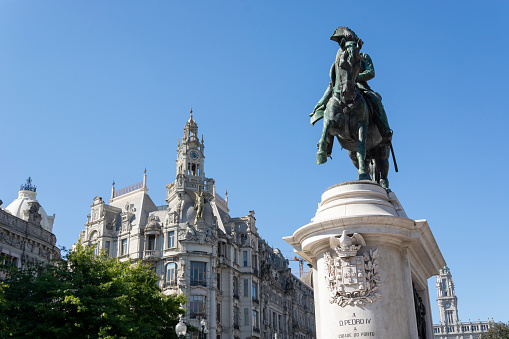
{"x": 353, "y": 112}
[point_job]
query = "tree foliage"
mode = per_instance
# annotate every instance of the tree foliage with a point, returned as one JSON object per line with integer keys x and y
{"x": 87, "y": 296}
{"x": 498, "y": 331}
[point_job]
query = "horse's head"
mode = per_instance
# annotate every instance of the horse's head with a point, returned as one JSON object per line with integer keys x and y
{"x": 349, "y": 60}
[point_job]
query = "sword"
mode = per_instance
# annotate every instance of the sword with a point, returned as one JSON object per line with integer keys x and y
{"x": 394, "y": 158}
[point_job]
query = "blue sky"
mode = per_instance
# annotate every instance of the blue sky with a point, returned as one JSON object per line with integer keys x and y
{"x": 94, "y": 90}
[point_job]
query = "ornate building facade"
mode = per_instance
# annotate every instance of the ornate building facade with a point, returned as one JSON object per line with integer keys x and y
{"x": 450, "y": 326}
{"x": 232, "y": 278}
{"x": 26, "y": 230}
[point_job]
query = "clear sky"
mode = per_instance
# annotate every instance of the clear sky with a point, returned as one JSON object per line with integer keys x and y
{"x": 96, "y": 90}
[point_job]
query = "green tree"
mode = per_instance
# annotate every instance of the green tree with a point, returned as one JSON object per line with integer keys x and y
{"x": 87, "y": 296}
{"x": 498, "y": 331}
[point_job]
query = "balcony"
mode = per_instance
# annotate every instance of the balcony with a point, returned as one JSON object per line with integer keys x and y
{"x": 170, "y": 284}
{"x": 198, "y": 283}
{"x": 151, "y": 254}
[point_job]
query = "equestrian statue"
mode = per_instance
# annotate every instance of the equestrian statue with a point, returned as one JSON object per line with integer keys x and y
{"x": 353, "y": 112}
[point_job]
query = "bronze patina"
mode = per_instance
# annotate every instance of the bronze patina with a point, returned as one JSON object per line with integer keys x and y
{"x": 353, "y": 113}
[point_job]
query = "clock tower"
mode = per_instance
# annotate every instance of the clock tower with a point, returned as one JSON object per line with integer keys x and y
{"x": 191, "y": 156}
{"x": 447, "y": 300}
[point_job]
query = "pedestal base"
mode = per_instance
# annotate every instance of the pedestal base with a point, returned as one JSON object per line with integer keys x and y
{"x": 370, "y": 264}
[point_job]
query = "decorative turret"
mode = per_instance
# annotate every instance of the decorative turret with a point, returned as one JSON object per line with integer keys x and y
{"x": 190, "y": 156}
{"x": 27, "y": 207}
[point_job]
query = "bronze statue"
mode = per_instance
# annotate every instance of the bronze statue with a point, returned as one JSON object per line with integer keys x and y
{"x": 353, "y": 112}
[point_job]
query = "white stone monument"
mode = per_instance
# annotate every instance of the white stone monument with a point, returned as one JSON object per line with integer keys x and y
{"x": 370, "y": 265}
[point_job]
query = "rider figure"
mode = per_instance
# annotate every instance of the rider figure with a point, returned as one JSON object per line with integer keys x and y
{"x": 366, "y": 73}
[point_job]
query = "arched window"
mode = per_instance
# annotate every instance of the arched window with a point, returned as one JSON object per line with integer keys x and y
{"x": 171, "y": 273}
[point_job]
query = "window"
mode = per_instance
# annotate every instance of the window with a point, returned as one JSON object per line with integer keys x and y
{"x": 218, "y": 312}
{"x": 244, "y": 254}
{"x": 235, "y": 287}
{"x": 448, "y": 316}
{"x": 96, "y": 248}
{"x": 218, "y": 278}
{"x": 124, "y": 247}
{"x": 235, "y": 259}
{"x": 246, "y": 288}
{"x": 171, "y": 273}
{"x": 254, "y": 261}
{"x": 171, "y": 239}
{"x": 279, "y": 321}
{"x": 443, "y": 287}
{"x": 255, "y": 291}
{"x": 197, "y": 306}
{"x": 255, "y": 319}
{"x": 107, "y": 248}
{"x": 246, "y": 316}
{"x": 198, "y": 273}
{"x": 236, "y": 316}
{"x": 151, "y": 242}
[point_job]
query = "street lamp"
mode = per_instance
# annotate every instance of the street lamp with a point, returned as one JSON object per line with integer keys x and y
{"x": 181, "y": 328}
{"x": 204, "y": 329}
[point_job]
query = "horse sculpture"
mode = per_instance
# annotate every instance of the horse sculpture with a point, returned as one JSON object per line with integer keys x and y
{"x": 346, "y": 115}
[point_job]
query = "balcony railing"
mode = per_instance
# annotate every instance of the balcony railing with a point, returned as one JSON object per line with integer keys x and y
{"x": 198, "y": 282}
{"x": 128, "y": 189}
{"x": 151, "y": 254}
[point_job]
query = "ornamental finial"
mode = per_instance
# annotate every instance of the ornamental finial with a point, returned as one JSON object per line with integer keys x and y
{"x": 191, "y": 112}
{"x": 28, "y": 186}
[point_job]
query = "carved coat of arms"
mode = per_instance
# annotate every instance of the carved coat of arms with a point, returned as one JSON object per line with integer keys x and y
{"x": 352, "y": 279}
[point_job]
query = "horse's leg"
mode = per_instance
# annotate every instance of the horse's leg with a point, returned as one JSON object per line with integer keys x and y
{"x": 383, "y": 165}
{"x": 353, "y": 157}
{"x": 321, "y": 155}
{"x": 362, "y": 131}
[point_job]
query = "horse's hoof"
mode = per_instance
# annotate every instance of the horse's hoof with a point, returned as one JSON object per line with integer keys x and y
{"x": 321, "y": 158}
{"x": 384, "y": 183}
{"x": 364, "y": 176}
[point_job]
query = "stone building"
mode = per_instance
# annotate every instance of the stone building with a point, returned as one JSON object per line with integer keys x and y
{"x": 26, "y": 230}
{"x": 450, "y": 326}
{"x": 233, "y": 280}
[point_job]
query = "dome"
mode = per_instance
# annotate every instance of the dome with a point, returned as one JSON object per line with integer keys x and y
{"x": 19, "y": 205}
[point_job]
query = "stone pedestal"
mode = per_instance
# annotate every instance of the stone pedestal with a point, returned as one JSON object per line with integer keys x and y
{"x": 370, "y": 265}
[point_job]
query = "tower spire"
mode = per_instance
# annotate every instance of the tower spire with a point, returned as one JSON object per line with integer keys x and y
{"x": 113, "y": 189}
{"x": 145, "y": 177}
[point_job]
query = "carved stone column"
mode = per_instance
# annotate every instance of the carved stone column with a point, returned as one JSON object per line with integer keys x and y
{"x": 366, "y": 254}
